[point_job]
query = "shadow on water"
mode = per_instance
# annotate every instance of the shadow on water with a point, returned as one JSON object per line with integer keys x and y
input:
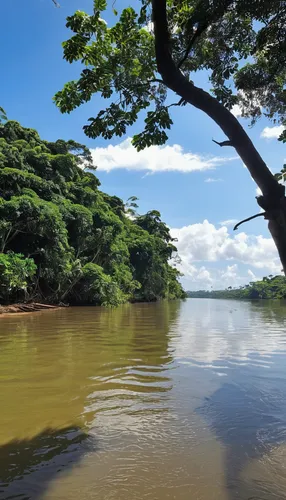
{"x": 250, "y": 423}
{"x": 248, "y": 413}
{"x": 28, "y": 466}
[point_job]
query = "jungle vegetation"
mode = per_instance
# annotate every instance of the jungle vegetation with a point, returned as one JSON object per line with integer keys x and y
{"x": 270, "y": 287}
{"x": 64, "y": 240}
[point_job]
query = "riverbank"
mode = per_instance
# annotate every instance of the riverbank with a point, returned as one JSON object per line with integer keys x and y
{"x": 26, "y": 308}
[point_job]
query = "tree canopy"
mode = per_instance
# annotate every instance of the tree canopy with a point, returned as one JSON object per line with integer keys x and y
{"x": 63, "y": 239}
{"x": 240, "y": 45}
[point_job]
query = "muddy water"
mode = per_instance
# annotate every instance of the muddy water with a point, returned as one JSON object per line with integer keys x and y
{"x": 160, "y": 401}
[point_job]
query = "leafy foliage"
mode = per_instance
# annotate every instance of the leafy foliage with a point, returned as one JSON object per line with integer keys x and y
{"x": 240, "y": 44}
{"x": 16, "y": 274}
{"x": 62, "y": 239}
{"x": 271, "y": 287}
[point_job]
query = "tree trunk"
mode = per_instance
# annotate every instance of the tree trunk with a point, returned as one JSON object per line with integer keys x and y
{"x": 273, "y": 194}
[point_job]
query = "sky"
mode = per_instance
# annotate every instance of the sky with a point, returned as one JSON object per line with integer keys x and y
{"x": 200, "y": 189}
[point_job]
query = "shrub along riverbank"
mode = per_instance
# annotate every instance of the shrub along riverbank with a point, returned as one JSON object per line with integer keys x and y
{"x": 64, "y": 240}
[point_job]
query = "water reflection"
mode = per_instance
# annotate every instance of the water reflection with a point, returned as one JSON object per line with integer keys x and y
{"x": 247, "y": 414}
{"x": 171, "y": 400}
{"x": 249, "y": 423}
{"x": 101, "y": 370}
{"x": 214, "y": 330}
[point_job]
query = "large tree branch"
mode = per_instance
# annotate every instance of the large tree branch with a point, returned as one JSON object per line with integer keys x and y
{"x": 176, "y": 81}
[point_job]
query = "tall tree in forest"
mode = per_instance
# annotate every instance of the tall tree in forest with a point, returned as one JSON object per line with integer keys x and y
{"x": 144, "y": 54}
{"x": 61, "y": 238}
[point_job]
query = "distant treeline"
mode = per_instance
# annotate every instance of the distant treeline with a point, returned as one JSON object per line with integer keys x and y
{"x": 271, "y": 287}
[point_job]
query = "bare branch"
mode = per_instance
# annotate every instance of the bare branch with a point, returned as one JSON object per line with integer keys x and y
{"x": 248, "y": 219}
{"x": 224, "y": 143}
{"x": 181, "y": 102}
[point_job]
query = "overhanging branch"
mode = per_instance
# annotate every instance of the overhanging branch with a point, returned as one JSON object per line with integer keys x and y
{"x": 248, "y": 219}
{"x": 176, "y": 81}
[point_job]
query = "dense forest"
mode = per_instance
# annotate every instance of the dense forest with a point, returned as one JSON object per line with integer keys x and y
{"x": 64, "y": 240}
{"x": 271, "y": 287}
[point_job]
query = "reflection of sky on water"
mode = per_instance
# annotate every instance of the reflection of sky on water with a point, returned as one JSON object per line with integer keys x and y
{"x": 211, "y": 331}
{"x": 246, "y": 408}
{"x": 178, "y": 397}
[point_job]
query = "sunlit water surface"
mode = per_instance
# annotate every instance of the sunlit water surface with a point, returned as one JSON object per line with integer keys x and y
{"x": 180, "y": 400}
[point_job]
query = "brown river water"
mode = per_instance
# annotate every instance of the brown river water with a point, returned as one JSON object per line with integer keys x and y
{"x": 179, "y": 400}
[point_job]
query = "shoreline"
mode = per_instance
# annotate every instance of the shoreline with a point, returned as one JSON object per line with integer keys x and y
{"x": 19, "y": 309}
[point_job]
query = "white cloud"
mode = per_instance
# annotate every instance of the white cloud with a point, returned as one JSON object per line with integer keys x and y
{"x": 153, "y": 159}
{"x": 272, "y": 132}
{"x": 236, "y": 110}
{"x": 202, "y": 243}
{"x": 213, "y": 179}
{"x": 228, "y": 222}
{"x": 251, "y": 275}
{"x": 229, "y": 275}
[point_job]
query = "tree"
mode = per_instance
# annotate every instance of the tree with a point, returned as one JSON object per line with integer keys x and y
{"x": 271, "y": 287}
{"x": 61, "y": 238}
{"x": 16, "y": 274}
{"x": 135, "y": 62}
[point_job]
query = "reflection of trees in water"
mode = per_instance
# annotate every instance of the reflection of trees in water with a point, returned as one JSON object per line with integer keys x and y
{"x": 133, "y": 397}
{"x": 151, "y": 335}
{"x": 27, "y": 466}
{"x": 271, "y": 311}
{"x": 72, "y": 366}
{"x": 248, "y": 422}
{"x": 69, "y": 354}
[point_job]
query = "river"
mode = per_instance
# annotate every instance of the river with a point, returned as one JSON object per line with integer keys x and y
{"x": 179, "y": 400}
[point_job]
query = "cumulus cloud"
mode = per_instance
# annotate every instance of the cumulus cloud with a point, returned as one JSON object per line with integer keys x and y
{"x": 153, "y": 159}
{"x": 272, "y": 132}
{"x": 202, "y": 243}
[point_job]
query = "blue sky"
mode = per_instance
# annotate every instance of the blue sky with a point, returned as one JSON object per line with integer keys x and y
{"x": 187, "y": 194}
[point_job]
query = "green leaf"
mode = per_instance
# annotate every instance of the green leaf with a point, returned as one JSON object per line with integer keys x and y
{"x": 99, "y": 5}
